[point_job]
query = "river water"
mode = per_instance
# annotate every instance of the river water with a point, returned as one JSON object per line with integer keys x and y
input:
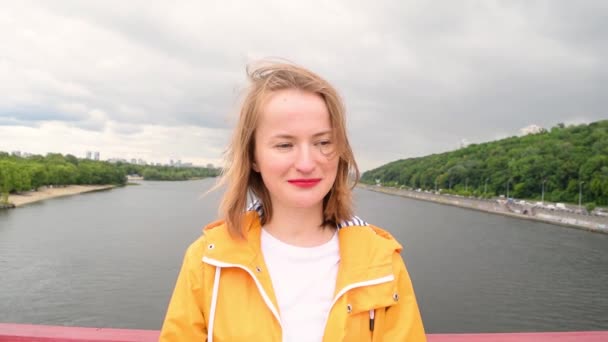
{"x": 110, "y": 259}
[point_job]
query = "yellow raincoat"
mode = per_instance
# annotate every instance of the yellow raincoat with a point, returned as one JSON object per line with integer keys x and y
{"x": 224, "y": 292}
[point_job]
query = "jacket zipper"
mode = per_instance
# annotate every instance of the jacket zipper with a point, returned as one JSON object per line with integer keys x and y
{"x": 265, "y": 297}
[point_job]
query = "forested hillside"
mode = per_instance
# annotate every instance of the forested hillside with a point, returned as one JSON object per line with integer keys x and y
{"x": 566, "y": 160}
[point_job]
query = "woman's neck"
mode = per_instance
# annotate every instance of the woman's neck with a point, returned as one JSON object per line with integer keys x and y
{"x": 300, "y": 227}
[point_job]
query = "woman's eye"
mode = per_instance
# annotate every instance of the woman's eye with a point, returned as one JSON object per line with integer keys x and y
{"x": 323, "y": 144}
{"x": 283, "y": 146}
{"x": 326, "y": 146}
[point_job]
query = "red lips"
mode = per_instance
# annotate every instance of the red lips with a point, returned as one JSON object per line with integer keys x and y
{"x": 305, "y": 183}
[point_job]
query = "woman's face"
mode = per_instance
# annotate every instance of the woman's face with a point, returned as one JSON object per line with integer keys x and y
{"x": 294, "y": 149}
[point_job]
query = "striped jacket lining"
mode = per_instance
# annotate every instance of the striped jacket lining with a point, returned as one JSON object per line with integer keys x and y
{"x": 354, "y": 221}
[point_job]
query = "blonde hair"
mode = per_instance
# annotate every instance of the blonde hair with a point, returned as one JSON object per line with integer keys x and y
{"x": 267, "y": 77}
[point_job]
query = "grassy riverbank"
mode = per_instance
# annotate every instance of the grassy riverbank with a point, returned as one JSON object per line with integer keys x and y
{"x": 45, "y": 193}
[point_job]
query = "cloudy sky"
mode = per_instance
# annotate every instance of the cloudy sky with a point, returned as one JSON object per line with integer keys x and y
{"x": 160, "y": 80}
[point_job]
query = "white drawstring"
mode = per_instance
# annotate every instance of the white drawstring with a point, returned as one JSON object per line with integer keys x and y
{"x": 216, "y": 286}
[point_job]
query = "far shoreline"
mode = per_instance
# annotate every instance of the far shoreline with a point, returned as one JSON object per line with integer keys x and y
{"x": 583, "y": 222}
{"x": 45, "y": 193}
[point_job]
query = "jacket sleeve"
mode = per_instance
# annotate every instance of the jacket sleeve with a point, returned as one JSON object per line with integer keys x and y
{"x": 403, "y": 321}
{"x": 184, "y": 320}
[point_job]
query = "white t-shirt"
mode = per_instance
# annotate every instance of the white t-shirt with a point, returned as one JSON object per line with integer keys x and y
{"x": 304, "y": 281}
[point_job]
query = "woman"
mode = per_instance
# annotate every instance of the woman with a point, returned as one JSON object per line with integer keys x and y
{"x": 297, "y": 265}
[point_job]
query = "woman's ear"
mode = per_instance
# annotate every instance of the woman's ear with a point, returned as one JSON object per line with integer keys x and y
{"x": 254, "y": 167}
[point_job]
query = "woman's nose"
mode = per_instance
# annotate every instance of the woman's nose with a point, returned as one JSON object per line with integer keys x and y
{"x": 305, "y": 160}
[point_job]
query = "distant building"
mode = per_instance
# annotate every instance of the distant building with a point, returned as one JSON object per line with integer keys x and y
{"x": 89, "y": 155}
{"x": 532, "y": 129}
{"x": 96, "y": 155}
{"x": 133, "y": 161}
{"x": 117, "y": 160}
{"x": 464, "y": 143}
{"x": 16, "y": 153}
{"x": 210, "y": 166}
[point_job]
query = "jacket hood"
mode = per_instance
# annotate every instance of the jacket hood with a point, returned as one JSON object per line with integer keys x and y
{"x": 362, "y": 245}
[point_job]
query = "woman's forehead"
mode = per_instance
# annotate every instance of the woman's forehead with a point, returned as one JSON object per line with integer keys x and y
{"x": 291, "y": 111}
{"x": 294, "y": 101}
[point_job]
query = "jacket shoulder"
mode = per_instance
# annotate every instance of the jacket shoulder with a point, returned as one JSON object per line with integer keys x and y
{"x": 375, "y": 233}
{"x": 196, "y": 249}
{"x": 211, "y": 231}
{"x": 383, "y": 233}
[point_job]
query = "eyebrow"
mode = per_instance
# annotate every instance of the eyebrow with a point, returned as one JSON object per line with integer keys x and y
{"x": 287, "y": 136}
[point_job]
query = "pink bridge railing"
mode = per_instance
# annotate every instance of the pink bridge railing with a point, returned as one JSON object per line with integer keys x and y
{"x": 46, "y": 333}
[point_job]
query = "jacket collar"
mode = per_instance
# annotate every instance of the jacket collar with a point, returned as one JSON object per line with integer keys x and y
{"x": 363, "y": 247}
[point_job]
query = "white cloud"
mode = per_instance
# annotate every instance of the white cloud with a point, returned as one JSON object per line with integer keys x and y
{"x": 155, "y": 144}
{"x": 417, "y": 76}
